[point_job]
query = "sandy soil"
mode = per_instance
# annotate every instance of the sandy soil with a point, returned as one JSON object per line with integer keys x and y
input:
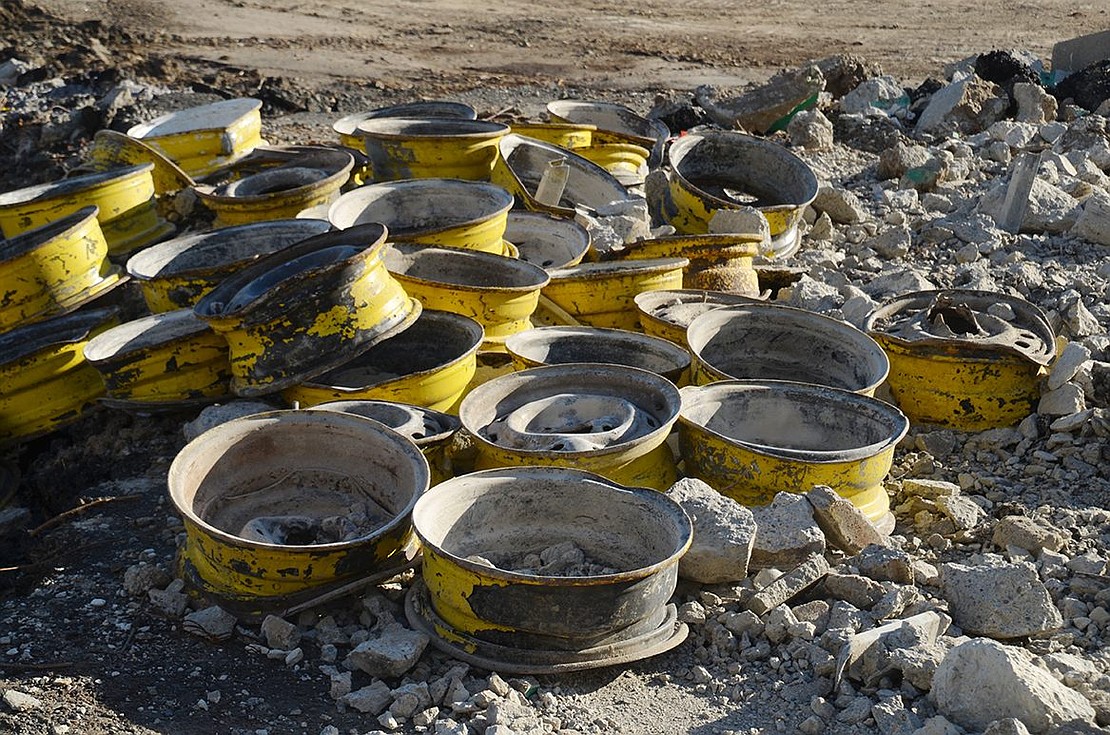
{"x": 602, "y": 44}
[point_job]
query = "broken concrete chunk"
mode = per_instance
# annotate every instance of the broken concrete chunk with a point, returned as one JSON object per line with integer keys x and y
{"x": 340, "y": 685}
{"x": 760, "y": 109}
{"x": 840, "y": 204}
{"x": 884, "y": 564}
{"x": 1026, "y": 533}
{"x": 789, "y": 585}
{"x": 856, "y": 590}
{"x": 875, "y": 95}
{"x": 1067, "y": 364}
{"x": 895, "y": 161}
{"x": 1089, "y": 562}
{"x": 1047, "y": 208}
{"x": 844, "y": 525}
{"x": 965, "y": 514}
{"x": 1078, "y": 319}
{"x": 1080, "y": 52}
{"x": 927, "y": 177}
{"x": 741, "y": 220}
{"x": 169, "y": 602}
{"x": 141, "y": 578}
{"x": 998, "y": 599}
{"x": 811, "y": 130}
{"x": 1066, "y": 400}
{"x": 892, "y": 243}
{"x": 213, "y": 623}
{"x": 893, "y": 717}
{"x": 743, "y": 622}
{"x": 786, "y": 533}
{"x": 1013, "y": 134}
{"x": 814, "y": 611}
{"x": 371, "y": 700}
{"x": 981, "y": 681}
{"x": 391, "y": 654}
{"x": 929, "y": 489}
{"x": 17, "y": 701}
{"x": 1034, "y": 104}
{"x": 405, "y": 705}
{"x": 845, "y": 72}
{"x": 724, "y": 532}
{"x": 779, "y": 623}
{"x": 822, "y": 229}
{"x": 964, "y": 105}
{"x": 1093, "y": 223}
{"x": 280, "y": 633}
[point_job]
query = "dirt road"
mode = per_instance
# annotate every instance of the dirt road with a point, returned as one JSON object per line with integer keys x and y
{"x": 601, "y": 44}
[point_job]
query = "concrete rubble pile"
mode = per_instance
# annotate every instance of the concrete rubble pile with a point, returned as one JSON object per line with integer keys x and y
{"x": 979, "y": 605}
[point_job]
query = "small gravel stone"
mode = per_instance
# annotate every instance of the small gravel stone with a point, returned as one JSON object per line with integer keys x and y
{"x": 280, "y": 633}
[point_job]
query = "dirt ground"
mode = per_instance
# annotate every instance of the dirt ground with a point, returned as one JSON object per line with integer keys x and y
{"x": 105, "y": 663}
{"x": 453, "y": 45}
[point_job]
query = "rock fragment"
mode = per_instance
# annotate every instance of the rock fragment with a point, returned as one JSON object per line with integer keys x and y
{"x": 875, "y": 95}
{"x": 892, "y": 243}
{"x": 843, "y": 524}
{"x": 841, "y": 205}
{"x": 884, "y": 564}
{"x": 280, "y": 633}
{"x": 741, "y": 220}
{"x": 1047, "y": 209}
{"x": 724, "y": 532}
{"x": 213, "y": 623}
{"x": 930, "y": 489}
{"x": 810, "y": 129}
{"x": 1071, "y": 358}
{"x": 969, "y": 105}
{"x": 371, "y": 700}
{"x": 171, "y": 601}
{"x": 1066, "y": 400}
{"x": 896, "y": 160}
{"x": 1034, "y": 104}
{"x": 17, "y": 701}
{"x": 908, "y": 646}
{"x": 140, "y": 578}
{"x": 854, "y": 589}
{"x": 998, "y": 599}
{"x": 786, "y": 534}
{"x": 1094, "y": 222}
{"x": 892, "y": 717}
{"x": 964, "y": 513}
{"x": 761, "y": 108}
{"x": 789, "y": 585}
{"x": 981, "y": 681}
{"x": 1027, "y": 533}
{"x": 391, "y": 654}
